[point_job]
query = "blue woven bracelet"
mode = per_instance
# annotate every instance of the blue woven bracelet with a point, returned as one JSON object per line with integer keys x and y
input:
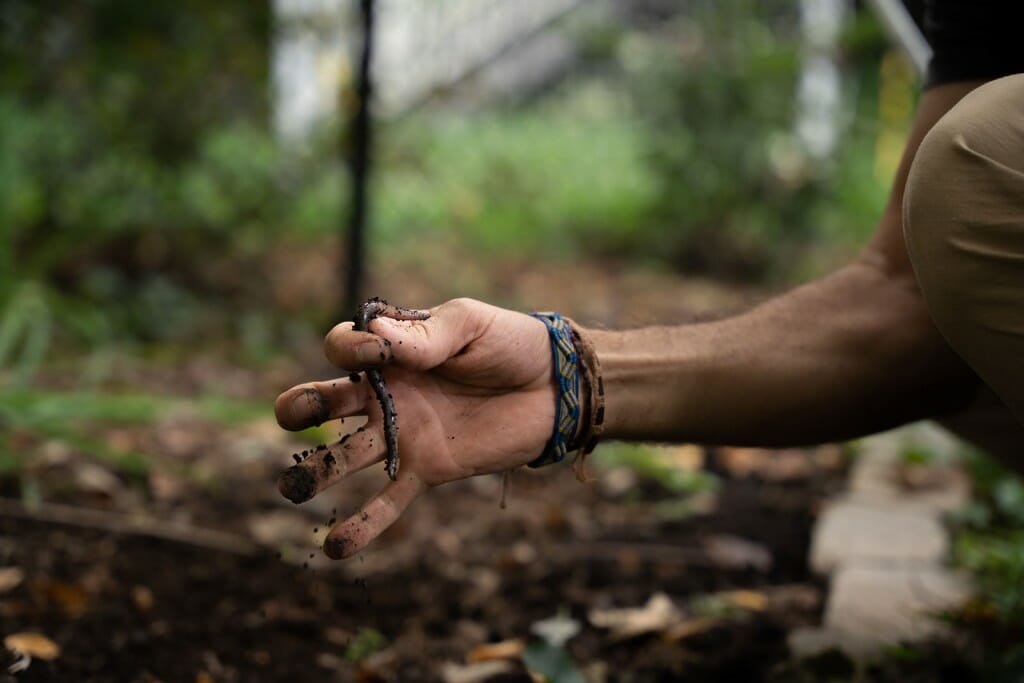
{"x": 567, "y": 407}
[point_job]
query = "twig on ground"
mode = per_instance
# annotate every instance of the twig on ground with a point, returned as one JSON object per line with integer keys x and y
{"x": 120, "y": 523}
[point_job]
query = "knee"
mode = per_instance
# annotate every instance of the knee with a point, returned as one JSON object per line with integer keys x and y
{"x": 963, "y": 164}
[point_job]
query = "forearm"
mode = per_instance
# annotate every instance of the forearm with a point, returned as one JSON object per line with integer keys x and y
{"x": 847, "y": 355}
{"x": 850, "y": 354}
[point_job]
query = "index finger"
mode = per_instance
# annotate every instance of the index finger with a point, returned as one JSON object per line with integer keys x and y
{"x": 313, "y": 403}
{"x": 413, "y": 343}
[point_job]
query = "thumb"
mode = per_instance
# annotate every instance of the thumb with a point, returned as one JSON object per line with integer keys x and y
{"x": 424, "y": 344}
{"x": 412, "y": 344}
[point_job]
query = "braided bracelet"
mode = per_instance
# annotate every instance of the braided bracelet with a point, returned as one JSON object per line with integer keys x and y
{"x": 590, "y": 368}
{"x": 567, "y": 372}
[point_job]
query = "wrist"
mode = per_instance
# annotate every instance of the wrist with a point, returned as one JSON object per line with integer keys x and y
{"x": 649, "y": 378}
{"x": 591, "y": 424}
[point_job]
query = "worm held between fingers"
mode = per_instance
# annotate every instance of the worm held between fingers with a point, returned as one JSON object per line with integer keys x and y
{"x": 367, "y": 311}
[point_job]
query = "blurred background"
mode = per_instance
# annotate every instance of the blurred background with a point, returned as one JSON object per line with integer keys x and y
{"x": 177, "y": 211}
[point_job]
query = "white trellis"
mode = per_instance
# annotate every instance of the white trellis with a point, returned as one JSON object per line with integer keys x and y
{"x": 420, "y": 46}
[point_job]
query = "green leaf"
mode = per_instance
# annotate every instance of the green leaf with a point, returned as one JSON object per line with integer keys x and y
{"x": 553, "y": 663}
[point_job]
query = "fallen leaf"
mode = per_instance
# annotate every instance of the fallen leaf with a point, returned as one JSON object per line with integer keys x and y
{"x": 142, "y": 597}
{"x": 618, "y": 481}
{"x": 337, "y": 636}
{"x": 506, "y": 649}
{"x": 33, "y": 644}
{"x": 165, "y": 487}
{"x": 21, "y": 662}
{"x": 71, "y": 598}
{"x": 689, "y": 628}
{"x": 279, "y": 527}
{"x": 772, "y": 465}
{"x": 10, "y": 578}
{"x": 793, "y": 597}
{"x": 733, "y": 552}
{"x": 557, "y": 630}
{"x": 747, "y": 599}
{"x": 475, "y": 672}
{"x": 329, "y": 660}
{"x": 658, "y": 614}
{"x": 93, "y": 478}
{"x": 727, "y": 604}
{"x": 688, "y": 458}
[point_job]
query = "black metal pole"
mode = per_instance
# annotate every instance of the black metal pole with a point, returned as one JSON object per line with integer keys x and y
{"x": 360, "y": 138}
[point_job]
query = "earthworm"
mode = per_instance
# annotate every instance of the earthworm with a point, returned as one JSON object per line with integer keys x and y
{"x": 367, "y": 311}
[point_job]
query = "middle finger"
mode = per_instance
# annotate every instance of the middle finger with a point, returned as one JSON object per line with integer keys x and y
{"x": 326, "y": 465}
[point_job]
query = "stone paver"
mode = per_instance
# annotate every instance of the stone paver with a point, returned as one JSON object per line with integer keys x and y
{"x": 885, "y": 532}
{"x": 883, "y": 605}
{"x": 884, "y": 544}
{"x": 811, "y": 641}
{"x": 881, "y": 474}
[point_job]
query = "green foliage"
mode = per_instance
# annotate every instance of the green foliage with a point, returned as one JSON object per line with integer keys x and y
{"x": 650, "y": 462}
{"x": 133, "y": 178}
{"x": 553, "y": 663}
{"x": 75, "y": 417}
{"x": 31, "y": 408}
{"x": 539, "y": 183}
{"x": 112, "y": 229}
{"x": 997, "y": 561}
{"x": 24, "y": 335}
{"x": 365, "y": 643}
{"x": 737, "y": 194}
{"x": 990, "y": 539}
{"x": 140, "y": 188}
{"x": 547, "y": 655}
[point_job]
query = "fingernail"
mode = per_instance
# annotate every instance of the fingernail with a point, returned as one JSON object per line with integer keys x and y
{"x": 372, "y": 352}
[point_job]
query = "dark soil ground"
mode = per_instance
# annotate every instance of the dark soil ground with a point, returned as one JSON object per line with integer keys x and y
{"x": 116, "y": 564}
{"x": 456, "y": 573}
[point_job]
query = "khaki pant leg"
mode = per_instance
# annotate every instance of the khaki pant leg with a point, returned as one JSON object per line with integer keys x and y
{"x": 964, "y": 225}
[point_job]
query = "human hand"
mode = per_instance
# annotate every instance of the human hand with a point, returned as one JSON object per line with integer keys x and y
{"x": 474, "y": 394}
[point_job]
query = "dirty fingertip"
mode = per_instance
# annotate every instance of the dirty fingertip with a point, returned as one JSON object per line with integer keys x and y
{"x": 297, "y": 484}
{"x": 298, "y": 410}
{"x": 338, "y": 547}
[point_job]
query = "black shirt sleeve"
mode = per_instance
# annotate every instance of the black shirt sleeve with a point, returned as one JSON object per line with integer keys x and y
{"x": 974, "y": 39}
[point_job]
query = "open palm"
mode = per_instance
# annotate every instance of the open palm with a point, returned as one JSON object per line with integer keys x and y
{"x": 473, "y": 390}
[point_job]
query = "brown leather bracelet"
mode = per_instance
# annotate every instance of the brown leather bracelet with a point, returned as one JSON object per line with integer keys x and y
{"x": 590, "y": 371}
